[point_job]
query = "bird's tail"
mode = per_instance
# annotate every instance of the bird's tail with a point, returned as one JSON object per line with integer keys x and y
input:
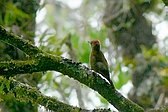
{"x": 111, "y": 83}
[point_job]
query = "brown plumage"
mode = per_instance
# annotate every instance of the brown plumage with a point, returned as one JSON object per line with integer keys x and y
{"x": 97, "y": 60}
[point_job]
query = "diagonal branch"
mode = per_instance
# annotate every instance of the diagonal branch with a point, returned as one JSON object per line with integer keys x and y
{"x": 25, "y": 93}
{"x": 44, "y": 62}
{"x": 16, "y": 41}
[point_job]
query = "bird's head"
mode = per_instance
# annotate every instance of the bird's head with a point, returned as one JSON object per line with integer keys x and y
{"x": 95, "y": 44}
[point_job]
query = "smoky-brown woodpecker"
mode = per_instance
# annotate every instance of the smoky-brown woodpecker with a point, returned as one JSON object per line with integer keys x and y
{"x": 97, "y": 60}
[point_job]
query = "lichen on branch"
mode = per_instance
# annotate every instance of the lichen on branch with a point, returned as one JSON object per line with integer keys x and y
{"x": 25, "y": 93}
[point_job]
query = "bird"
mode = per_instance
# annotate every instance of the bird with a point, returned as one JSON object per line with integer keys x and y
{"x": 98, "y": 61}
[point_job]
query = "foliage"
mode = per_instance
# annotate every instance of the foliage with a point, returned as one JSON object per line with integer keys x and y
{"x": 122, "y": 38}
{"x": 128, "y": 34}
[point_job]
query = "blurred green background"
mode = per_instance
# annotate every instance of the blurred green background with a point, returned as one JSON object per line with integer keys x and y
{"x": 134, "y": 39}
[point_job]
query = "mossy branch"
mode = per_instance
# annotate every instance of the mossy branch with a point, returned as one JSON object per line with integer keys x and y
{"x": 23, "y": 45}
{"x": 42, "y": 61}
{"x": 25, "y": 93}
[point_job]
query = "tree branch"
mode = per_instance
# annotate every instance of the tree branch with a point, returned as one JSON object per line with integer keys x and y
{"x": 16, "y": 41}
{"x": 44, "y": 62}
{"x": 25, "y": 93}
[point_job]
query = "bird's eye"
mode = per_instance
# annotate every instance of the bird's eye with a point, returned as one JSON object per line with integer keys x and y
{"x": 96, "y": 42}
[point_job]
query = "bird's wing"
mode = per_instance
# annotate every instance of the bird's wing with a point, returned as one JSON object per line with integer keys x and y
{"x": 103, "y": 70}
{"x": 101, "y": 66}
{"x": 104, "y": 61}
